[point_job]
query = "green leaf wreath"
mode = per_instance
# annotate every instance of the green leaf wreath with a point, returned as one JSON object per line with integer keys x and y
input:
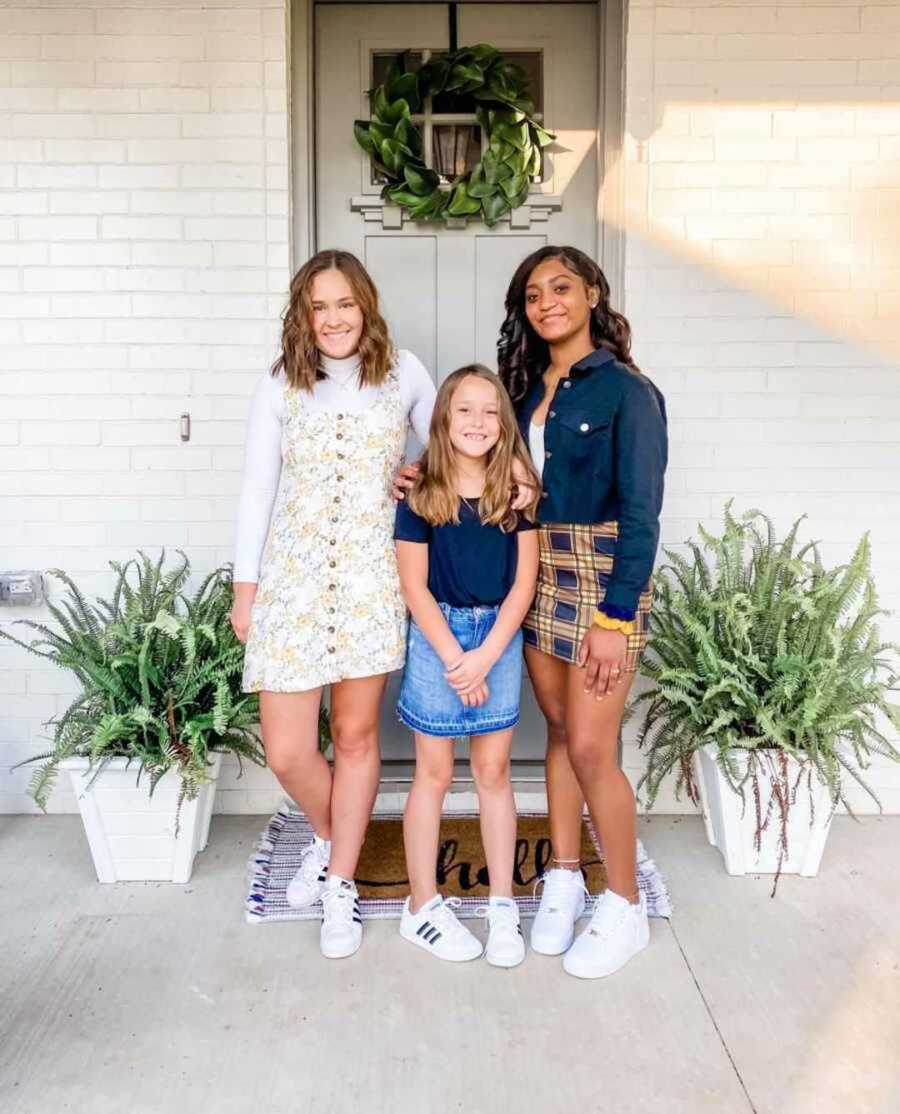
{"x": 500, "y": 181}
{"x": 764, "y": 652}
{"x": 160, "y": 674}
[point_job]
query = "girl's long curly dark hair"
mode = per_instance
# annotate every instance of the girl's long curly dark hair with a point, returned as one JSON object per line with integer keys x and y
{"x": 521, "y": 354}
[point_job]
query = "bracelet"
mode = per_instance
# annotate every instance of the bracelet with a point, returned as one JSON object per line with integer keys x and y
{"x": 626, "y": 626}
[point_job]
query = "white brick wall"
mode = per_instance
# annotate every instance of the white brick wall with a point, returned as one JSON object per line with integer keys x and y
{"x": 144, "y": 255}
{"x": 143, "y": 264}
{"x": 763, "y": 171}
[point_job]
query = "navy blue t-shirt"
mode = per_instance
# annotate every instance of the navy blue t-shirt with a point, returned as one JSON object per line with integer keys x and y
{"x": 469, "y": 564}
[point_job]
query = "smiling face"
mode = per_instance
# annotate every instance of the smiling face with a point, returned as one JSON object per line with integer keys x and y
{"x": 337, "y": 318}
{"x": 558, "y": 303}
{"x": 474, "y": 418}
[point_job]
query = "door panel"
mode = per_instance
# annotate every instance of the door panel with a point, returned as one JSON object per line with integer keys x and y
{"x": 496, "y": 258}
{"x": 404, "y": 268}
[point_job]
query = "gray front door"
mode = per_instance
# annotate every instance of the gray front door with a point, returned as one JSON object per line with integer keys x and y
{"x": 443, "y": 287}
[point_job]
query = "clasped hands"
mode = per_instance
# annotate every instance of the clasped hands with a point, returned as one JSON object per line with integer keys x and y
{"x": 466, "y": 675}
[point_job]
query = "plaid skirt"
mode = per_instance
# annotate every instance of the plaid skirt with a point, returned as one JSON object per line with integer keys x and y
{"x": 576, "y": 562}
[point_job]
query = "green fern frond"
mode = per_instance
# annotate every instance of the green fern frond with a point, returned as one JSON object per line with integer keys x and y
{"x": 160, "y": 675}
{"x": 756, "y": 645}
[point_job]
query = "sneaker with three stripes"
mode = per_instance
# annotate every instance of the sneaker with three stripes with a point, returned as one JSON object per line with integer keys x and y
{"x": 506, "y": 944}
{"x": 436, "y": 929}
{"x": 305, "y": 888}
{"x": 341, "y": 932}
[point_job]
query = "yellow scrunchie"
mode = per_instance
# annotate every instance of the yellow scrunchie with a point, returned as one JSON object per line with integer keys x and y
{"x": 606, "y": 622}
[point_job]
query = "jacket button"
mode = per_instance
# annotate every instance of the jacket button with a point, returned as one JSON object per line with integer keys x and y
{"x": 567, "y": 384}
{"x": 552, "y": 414}
{"x": 547, "y": 456}
{"x": 584, "y": 427}
{"x": 544, "y": 495}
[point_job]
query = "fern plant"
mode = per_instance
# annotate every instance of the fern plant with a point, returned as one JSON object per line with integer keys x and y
{"x": 160, "y": 673}
{"x": 760, "y": 650}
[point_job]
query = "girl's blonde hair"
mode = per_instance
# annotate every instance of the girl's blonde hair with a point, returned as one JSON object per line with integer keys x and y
{"x": 434, "y": 495}
{"x": 299, "y": 357}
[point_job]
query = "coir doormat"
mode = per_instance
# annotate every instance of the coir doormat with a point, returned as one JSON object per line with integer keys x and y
{"x": 381, "y": 875}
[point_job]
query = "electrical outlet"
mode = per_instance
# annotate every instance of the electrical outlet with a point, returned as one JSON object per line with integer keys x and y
{"x": 21, "y": 589}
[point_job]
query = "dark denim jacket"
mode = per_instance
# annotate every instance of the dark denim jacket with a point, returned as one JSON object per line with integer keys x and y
{"x": 606, "y": 450}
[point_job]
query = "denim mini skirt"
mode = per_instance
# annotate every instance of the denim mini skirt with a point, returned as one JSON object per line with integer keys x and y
{"x": 429, "y": 705}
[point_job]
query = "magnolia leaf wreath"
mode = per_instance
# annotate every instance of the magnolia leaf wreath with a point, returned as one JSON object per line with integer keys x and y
{"x": 505, "y": 112}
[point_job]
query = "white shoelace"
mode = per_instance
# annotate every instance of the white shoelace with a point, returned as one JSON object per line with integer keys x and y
{"x": 503, "y": 920}
{"x": 607, "y": 917}
{"x": 556, "y": 888}
{"x": 444, "y": 918}
{"x": 312, "y": 860}
{"x": 338, "y": 905}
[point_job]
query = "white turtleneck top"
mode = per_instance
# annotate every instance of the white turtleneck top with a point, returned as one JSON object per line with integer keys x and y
{"x": 262, "y": 460}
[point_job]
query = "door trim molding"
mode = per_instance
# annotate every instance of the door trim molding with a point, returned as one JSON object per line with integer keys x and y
{"x": 301, "y": 131}
{"x": 612, "y": 29}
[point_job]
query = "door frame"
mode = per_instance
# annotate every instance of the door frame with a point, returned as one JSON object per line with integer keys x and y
{"x": 611, "y": 27}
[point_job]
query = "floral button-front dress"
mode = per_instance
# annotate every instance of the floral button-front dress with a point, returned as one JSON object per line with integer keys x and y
{"x": 328, "y": 605}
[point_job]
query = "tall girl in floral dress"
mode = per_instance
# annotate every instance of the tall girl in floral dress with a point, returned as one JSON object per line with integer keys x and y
{"x": 596, "y": 428}
{"x": 317, "y": 594}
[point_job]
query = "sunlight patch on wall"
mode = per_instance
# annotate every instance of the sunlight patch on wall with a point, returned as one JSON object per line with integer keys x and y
{"x": 800, "y": 204}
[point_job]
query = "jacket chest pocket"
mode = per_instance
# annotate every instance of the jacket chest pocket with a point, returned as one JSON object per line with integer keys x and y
{"x": 585, "y": 437}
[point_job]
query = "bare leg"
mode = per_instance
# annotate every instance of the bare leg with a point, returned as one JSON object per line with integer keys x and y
{"x": 357, "y": 765}
{"x": 422, "y": 817}
{"x": 290, "y": 731}
{"x": 565, "y": 801}
{"x": 593, "y": 732}
{"x": 496, "y": 807}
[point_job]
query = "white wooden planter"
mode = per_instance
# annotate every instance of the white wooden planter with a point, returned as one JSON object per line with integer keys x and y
{"x": 733, "y": 833}
{"x": 131, "y": 834}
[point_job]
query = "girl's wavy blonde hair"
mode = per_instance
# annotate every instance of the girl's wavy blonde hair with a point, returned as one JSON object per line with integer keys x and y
{"x": 299, "y": 357}
{"x": 433, "y": 494}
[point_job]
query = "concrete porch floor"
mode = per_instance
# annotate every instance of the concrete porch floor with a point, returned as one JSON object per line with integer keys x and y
{"x": 146, "y": 997}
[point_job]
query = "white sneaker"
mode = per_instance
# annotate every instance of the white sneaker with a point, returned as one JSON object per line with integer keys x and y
{"x": 617, "y": 931}
{"x": 506, "y": 944}
{"x": 437, "y": 929}
{"x": 306, "y": 887}
{"x": 341, "y": 932}
{"x": 562, "y": 903}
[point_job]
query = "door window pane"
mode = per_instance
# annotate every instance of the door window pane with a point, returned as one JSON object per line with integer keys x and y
{"x": 456, "y": 149}
{"x": 382, "y": 59}
{"x": 532, "y": 62}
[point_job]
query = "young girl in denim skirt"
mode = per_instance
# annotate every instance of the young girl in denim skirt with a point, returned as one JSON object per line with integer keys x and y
{"x": 468, "y": 565}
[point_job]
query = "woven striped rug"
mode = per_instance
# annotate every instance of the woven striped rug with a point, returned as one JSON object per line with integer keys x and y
{"x": 277, "y": 857}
